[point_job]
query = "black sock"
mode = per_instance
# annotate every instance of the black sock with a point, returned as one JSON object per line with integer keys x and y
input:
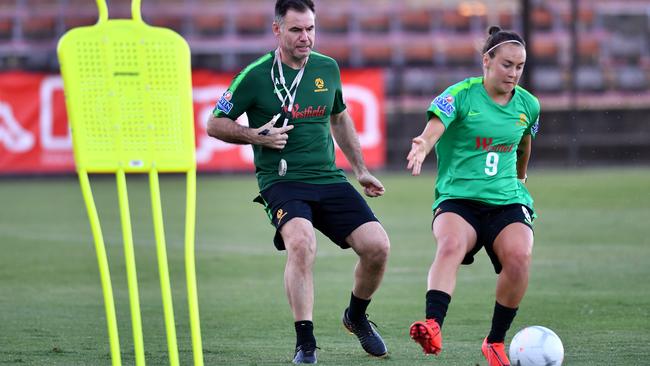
{"x": 501, "y": 321}
{"x": 437, "y": 304}
{"x": 357, "y": 307}
{"x": 304, "y": 332}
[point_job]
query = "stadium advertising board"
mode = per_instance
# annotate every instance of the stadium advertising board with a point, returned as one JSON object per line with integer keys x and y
{"x": 35, "y": 138}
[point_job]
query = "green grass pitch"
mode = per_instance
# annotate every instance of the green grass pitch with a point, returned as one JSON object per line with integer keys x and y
{"x": 589, "y": 280}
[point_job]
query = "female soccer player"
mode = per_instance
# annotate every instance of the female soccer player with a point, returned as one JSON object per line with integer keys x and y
{"x": 481, "y": 128}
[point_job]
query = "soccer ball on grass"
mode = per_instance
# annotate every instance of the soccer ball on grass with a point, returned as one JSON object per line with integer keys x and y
{"x": 536, "y": 346}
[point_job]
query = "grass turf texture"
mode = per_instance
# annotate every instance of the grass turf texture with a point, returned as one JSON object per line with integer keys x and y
{"x": 589, "y": 283}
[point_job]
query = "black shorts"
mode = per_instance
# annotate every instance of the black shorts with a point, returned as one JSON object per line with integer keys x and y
{"x": 336, "y": 210}
{"x": 488, "y": 221}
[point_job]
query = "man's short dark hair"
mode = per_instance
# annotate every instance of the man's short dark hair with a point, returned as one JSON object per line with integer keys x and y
{"x": 283, "y": 6}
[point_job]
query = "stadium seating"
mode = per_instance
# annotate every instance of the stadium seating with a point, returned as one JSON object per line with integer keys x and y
{"x": 334, "y": 23}
{"x": 209, "y": 25}
{"x": 6, "y": 26}
{"x": 374, "y": 23}
{"x": 419, "y": 82}
{"x": 376, "y": 54}
{"x": 40, "y": 22}
{"x": 252, "y": 24}
{"x": 419, "y": 53}
{"x": 590, "y": 79}
{"x": 613, "y": 51}
{"x": 416, "y": 20}
{"x": 549, "y": 79}
{"x": 462, "y": 53}
{"x": 340, "y": 52}
{"x": 542, "y": 18}
{"x": 546, "y": 50}
{"x": 589, "y": 50}
{"x": 631, "y": 78}
{"x": 452, "y": 20}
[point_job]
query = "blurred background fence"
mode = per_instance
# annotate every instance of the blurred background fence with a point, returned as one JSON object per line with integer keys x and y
{"x": 588, "y": 60}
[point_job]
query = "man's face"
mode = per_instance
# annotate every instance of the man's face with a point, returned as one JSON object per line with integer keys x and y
{"x": 295, "y": 35}
{"x": 504, "y": 70}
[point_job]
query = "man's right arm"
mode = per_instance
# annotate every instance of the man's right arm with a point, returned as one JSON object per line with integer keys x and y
{"x": 227, "y": 130}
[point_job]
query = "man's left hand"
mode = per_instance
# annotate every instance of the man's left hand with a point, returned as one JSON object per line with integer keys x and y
{"x": 372, "y": 187}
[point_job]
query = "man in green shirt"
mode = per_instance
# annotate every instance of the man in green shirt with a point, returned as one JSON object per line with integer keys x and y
{"x": 293, "y": 99}
{"x": 481, "y": 129}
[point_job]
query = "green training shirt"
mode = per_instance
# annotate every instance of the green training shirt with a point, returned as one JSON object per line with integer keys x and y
{"x": 477, "y": 153}
{"x": 309, "y": 152}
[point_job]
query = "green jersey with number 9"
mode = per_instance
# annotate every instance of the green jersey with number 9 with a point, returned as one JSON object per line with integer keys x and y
{"x": 477, "y": 153}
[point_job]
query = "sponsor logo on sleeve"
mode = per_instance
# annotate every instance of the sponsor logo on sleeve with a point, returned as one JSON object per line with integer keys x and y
{"x": 224, "y": 104}
{"x": 445, "y": 103}
{"x": 535, "y": 127}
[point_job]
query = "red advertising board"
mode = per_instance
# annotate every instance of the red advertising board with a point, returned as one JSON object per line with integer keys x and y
{"x": 35, "y": 138}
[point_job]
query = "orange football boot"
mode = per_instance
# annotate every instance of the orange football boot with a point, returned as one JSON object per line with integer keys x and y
{"x": 495, "y": 353}
{"x": 427, "y": 334}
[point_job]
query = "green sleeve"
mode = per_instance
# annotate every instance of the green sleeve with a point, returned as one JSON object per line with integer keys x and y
{"x": 237, "y": 99}
{"x": 533, "y": 123}
{"x": 447, "y": 106}
{"x": 339, "y": 105}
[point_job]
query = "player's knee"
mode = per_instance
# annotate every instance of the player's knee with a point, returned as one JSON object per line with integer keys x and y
{"x": 517, "y": 259}
{"x": 380, "y": 250}
{"x": 301, "y": 247}
{"x": 450, "y": 246}
{"x": 375, "y": 247}
{"x": 371, "y": 243}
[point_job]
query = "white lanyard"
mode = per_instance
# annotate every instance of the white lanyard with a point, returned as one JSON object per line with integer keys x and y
{"x": 282, "y": 82}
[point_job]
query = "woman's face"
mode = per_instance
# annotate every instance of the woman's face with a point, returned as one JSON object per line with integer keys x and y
{"x": 502, "y": 72}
